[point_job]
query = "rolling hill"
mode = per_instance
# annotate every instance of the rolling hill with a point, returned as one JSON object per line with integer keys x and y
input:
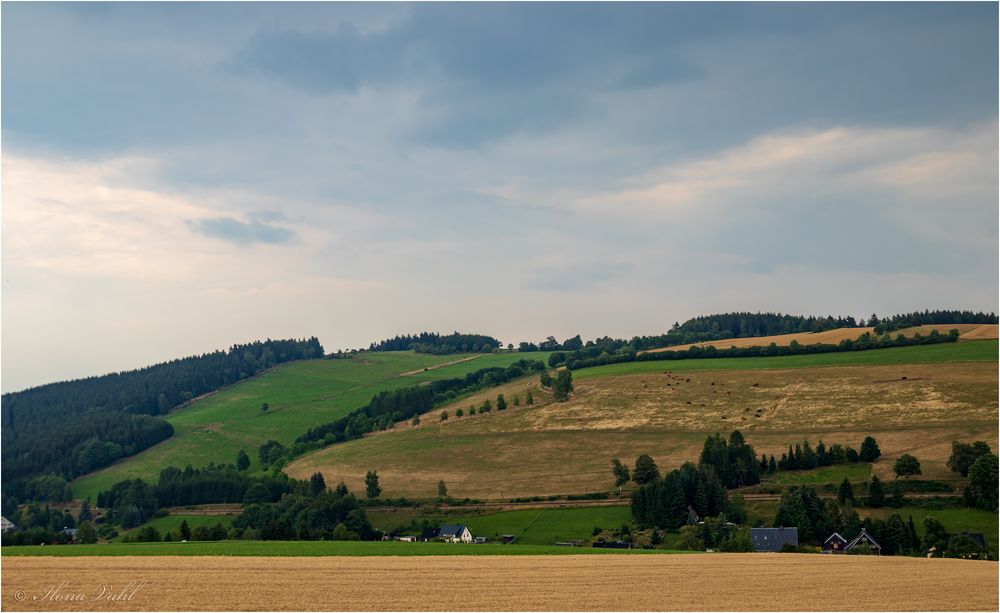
{"x": 912, "y": 399}
{"x": 300, "y": 395}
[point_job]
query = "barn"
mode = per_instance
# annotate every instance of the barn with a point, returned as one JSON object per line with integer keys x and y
{"x": 773, "y": 539}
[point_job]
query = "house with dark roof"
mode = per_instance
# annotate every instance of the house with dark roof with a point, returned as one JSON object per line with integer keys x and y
{"x": 773, "y": 539}
{"x": 428, "y": 534}
{"x": 835, "y": 543}
{"x": 455, "y": 533}
{"x": 976, "y": 537}
{"x": 6, "y": 525}
{"x": 864, "y": 539}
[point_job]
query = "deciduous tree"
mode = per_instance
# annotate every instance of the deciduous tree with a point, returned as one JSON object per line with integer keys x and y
{"x": 372, "y": 487}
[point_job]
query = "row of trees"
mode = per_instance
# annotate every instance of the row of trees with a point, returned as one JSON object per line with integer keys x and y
{"x": 696, "y": 330}
{"x": 135, "y": 501}
{"x": 432, "y": 342}
{"x": 802, "y": 456}
{"x": 864, "y": 342}
{"x": 917, "y": 318}
{"x": 149, "y": 534}
{"x": 335, "y": 515}
{"x": 315, "y": 514}
{"x": 74, "y": 427}
{"x": 485, "y": 407}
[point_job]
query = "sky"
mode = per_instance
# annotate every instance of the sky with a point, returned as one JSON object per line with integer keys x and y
{"x": 180, "y": 177}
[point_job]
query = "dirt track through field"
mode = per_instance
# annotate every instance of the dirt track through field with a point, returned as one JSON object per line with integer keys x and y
{"x": 410, "y": 373}
{"x": 596, "y": 582}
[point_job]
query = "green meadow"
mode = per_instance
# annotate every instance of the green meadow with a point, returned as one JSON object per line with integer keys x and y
{"x": 299, "y": 395}
{"x": 963, "y": 351}
{"x": 855, "y": 473}
{"x": 169, "y": 523}
{"x": 528, "y": 526}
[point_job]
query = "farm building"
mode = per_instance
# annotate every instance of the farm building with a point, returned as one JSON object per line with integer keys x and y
{"x": 455, "y": 533}
{"x": 976, "y": 537}
{"x": 773, "y": 539}
{"x": 834, "y": 544}
{"x": 6, "y": 525}
{"x": 613, "y": 545}
{"x": 864, "y": 540}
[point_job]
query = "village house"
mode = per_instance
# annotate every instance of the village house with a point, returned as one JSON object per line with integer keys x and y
{"x": 455, "y": 533}
{"x": 773, "y": 539}
{"x": 862, "y": 540}
{"x": 6, "y": 525}
{"x": 976, "y": 537}
{"x": 835, "y": 543}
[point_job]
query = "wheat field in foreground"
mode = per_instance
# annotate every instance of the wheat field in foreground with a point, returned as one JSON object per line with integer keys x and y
{"x": 671, "y": 582}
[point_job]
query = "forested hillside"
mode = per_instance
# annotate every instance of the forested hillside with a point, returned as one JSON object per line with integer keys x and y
{"x": 432, "y": 342}
{"x": 739, "y": 325}
{"x": 73, "y": 427}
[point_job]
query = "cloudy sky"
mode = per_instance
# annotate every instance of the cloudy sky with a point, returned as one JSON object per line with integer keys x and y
{"x": 181, "y": 177}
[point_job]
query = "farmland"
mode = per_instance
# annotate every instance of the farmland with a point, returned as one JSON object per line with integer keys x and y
{"x": 832, "y": 337}
{"x": 971, "y": 351}
{"x": 550, "y": 582}
{"x": 299, "y": 394}
{"x": 911, "y": 399}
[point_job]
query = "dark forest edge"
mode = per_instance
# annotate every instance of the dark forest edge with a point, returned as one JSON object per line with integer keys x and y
{"x": 75, "y": 427}
{"x": 431, "y": 342}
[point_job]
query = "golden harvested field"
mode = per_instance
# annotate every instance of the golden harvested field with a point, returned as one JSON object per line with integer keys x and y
{"x": 719, "y": 582}
{"x": 560, "y": 448}
{"x": 832, "y": 337}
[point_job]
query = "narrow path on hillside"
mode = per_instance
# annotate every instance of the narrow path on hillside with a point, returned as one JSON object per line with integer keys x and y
{"x": 437, "y": 366}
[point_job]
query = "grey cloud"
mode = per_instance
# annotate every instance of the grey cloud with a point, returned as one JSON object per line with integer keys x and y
{"x": 578, "y": 276}
{"x": 242, "y": 233}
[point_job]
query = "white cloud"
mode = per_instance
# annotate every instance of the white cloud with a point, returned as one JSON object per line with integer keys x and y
{"x": 931, "y": 170}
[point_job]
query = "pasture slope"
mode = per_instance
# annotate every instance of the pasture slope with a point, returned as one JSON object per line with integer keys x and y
{"x": 299, "y": 394}
{"x": 912, "y": 399}
{"x": 612, "y": 582}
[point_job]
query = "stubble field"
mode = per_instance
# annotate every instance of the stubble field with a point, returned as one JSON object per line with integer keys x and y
{"x": 764, "y": 582}
{"x": 560, "y": 448}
